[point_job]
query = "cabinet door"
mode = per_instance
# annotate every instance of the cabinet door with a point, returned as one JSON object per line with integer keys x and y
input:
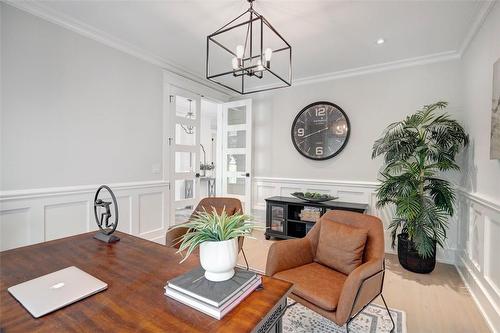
{"x": 277, "y": 215}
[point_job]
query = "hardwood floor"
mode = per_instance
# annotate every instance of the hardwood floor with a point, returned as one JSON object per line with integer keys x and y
{"x": 437, "y": 302}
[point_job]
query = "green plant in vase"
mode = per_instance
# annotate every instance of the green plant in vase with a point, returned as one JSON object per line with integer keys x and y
{"x": 417, "y": 152}
{"x": 217, "y": 236}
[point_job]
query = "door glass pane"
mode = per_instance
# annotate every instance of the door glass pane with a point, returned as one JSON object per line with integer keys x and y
{"x": 236, "y": 116}
{"x": 185, "y": 134}
{"x": 185, "y": 107}
{"x": 277, "y": 218}
{"x": 184, "y": 161}
{"x": 236, "y": 185}
{"x": 236, "y": 139}
{"x": 184, "y": 189}
{"x": 236, "y": 163}
{"x": 183, "y": 214}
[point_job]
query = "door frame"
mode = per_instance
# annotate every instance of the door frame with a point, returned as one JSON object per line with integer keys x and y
{"x": 171, "y": 82}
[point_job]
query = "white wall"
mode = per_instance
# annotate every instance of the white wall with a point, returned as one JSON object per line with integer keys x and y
{"x": 370, "y": 101}
{"x": 479, "y": 231}
{"x": 74, "y": 111}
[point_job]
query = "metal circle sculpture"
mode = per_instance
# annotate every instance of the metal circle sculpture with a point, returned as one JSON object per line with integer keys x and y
{"x": 102, "y": 221}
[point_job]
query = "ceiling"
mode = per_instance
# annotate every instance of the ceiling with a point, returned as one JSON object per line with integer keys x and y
{"x": 326, "y": 36}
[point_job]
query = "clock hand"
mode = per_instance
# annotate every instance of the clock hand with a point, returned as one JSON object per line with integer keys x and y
{"x": 321, "y": 130}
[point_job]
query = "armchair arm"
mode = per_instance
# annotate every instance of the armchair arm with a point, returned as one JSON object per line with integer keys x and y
{"x": 172, "y": 236}
{"x": 288, "y": 254}
{"x": 360, "y": 288}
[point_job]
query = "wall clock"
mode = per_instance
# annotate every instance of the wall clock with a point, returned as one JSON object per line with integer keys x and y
{"x": 320, "y": 130}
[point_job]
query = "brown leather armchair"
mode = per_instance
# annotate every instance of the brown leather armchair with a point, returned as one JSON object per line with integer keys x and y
{"x": 333, "y": 294}
{"x": 231, "y": 205}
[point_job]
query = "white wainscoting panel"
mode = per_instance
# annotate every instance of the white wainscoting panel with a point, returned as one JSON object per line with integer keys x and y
{"x": 67, "y": 219}
{"x": 348, "y": 191}
{"x": 38, "y": 215}
{"x": 151, "y": 215}
{"x": 478, "y": 256}
{"x": 15, "y": 228}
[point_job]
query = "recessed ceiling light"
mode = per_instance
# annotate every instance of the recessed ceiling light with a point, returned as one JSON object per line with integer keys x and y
{"x": 380, "y": 41}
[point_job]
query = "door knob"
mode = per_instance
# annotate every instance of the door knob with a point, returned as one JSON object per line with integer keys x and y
{"x": 247, "y": 174}
{"x": 197, "y": 175}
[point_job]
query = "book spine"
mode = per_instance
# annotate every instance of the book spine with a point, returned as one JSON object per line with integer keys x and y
{"x": 238, "y": 296}
{"x": 191, "y": 294}
{"x": 238, "y": 301}
{"x": 205, "y": 308}
{"x": 244, "y": 287}
{"x": 209, "y": 301}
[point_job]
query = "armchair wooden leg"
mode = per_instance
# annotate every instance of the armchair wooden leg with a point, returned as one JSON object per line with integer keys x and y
{"x": 386, "y": 307}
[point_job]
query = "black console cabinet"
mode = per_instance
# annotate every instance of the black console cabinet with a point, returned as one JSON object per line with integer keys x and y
{"x": 282, "y": 215}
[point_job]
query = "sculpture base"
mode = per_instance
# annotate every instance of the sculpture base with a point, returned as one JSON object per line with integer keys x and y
{"x": 106, "y": 238}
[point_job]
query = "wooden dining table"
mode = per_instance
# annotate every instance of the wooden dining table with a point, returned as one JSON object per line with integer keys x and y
{"x": 136, "y": 271}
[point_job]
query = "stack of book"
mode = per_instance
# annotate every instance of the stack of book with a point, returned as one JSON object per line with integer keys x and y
{"x": 215, "y": 299}
{"x": 310, "y": 214}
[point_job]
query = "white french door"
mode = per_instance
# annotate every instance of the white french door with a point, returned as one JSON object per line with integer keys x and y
{"x": 236, "y": 162}
{"x": 184, "y": 143}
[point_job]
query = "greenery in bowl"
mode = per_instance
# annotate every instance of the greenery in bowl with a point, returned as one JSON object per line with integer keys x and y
{"x": 416, "y": 152}
{"x": 314, "y": 196}
{"x": 213, "y": 227}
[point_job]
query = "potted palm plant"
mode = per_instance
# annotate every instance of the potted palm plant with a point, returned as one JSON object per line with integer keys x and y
{"x": 417, "y": 152}
{"x": 217, "y": 237}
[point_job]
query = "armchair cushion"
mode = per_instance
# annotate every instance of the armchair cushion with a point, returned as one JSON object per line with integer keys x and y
{"x": 315, "y": 283}
{"x": 340, "y": 246}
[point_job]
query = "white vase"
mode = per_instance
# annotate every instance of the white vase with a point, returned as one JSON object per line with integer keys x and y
{"x": 219, "y": 259}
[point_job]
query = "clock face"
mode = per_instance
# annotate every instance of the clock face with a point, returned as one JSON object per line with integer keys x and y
{"x": 320, "y": 131}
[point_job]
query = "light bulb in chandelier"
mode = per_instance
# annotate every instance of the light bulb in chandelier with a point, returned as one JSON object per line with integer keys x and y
{"x": 268, "y": 55}
{"x": 260, "y": 68}
{"x": 240, "y": 50}
{"x": 235, "y": 63}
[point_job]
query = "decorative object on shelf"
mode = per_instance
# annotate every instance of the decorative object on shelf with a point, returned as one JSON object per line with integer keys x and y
{"x": 245, "y": 67}
{"x": 320, "y": 131}
{"x": 204, "y": 167}
{"x": 189, "y": 115}
{"x": 310, "y": 214}
{"x": 102, "y": 214}
{"x": 416, "y": 152}
{"x": 313, "y": 196}
{"x": 495, "y": 113}
{"x": 217, "y": 236}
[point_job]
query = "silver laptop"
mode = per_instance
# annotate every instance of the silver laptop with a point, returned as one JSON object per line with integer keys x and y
{"x": 55, "y": 290}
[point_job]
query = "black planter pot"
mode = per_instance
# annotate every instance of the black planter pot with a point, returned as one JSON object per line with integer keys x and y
{"x": 411, "y": 260}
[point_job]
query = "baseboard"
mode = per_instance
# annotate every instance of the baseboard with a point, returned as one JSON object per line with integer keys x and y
{"x": 478, "y": 292}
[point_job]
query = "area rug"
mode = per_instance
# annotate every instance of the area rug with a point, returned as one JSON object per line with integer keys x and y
{"x": 373, "y": 319}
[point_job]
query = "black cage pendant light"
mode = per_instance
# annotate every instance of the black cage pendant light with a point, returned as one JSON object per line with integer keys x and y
{"x": 248, "y": 55}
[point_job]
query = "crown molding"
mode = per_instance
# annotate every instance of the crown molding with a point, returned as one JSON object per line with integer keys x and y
{"x": 38, "y": 9}
{"x": 409, "y": 62}
{"x": 364, "y": 70}
{"x": 477, "y": 23}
